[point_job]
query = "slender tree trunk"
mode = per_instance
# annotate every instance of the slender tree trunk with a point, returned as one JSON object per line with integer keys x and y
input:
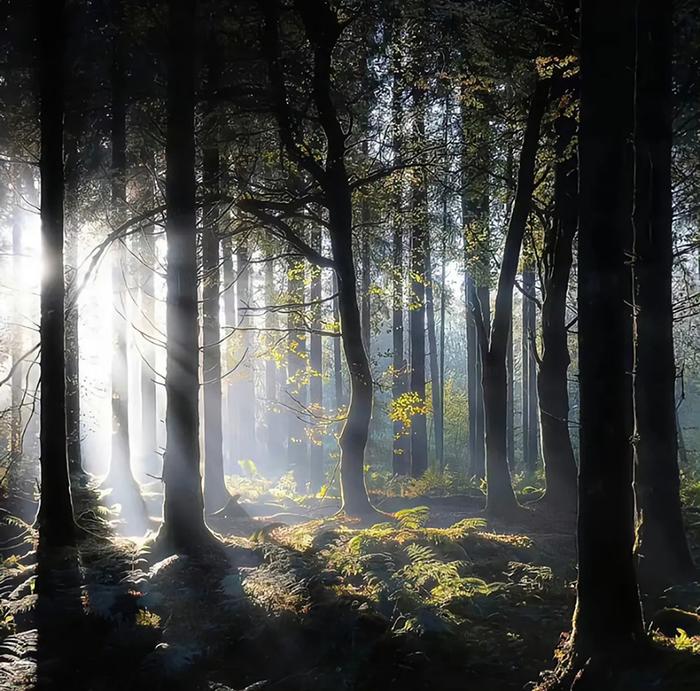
{"x": 73, "y": 125}
{"x": 607, "y": 620}
{"x": 246, "y": 384}
{"x": 529, "y": 429}
{"x": 337, "y": 359}
{"x": 150, "y": 459}
{"x": 297, "y": 447}
{"x": 435, "y": 382}
{"x": 316, "y": 374}
{"x": 510, "y": 408}
{"x": 55, "y": 518}
{"x": 274, "y": 443}
{"x": 557, "y": 451}
{"x": 662, "y": 544}
{"x": 501, "y": 498}
{"x": 231, "y": 446}
{"x": 419, "y": 202}
{"x": 17, "y": 337}
{"x": 216, "y": 495}
{"x": 183, "y": 508}
{"x": 120, "y": 478}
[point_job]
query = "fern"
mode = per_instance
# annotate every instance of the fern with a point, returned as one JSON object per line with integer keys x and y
{"x": 413, "y": 519}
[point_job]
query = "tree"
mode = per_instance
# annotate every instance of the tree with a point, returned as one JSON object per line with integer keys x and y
{"x": 183, "y": 525}
{"x": 662, "y": 544}
{"x": 55, "y": 517}
{"x": 557, "y": 451}
{"x": 607, "y": 620}
{"x": 501, "y": 498}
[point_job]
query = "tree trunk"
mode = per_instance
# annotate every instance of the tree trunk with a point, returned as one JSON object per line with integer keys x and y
{"x": 662, "y": 545}
{"x": 337, "y": 361}
{"x": 120, "y": 478}
{"x": 230, "y": 312}
{"x": 435, "y": 383}
{"x": 297, "y": 447}
{"x": 274, "y": 442}
{"x": 607, "y": 619}
{"x": 216, "y": 495}
{"x": 419, "y": 202}
{"x": 501, "y": 498}
{"x": 529, "y": 379}
{"x": 183, "y": 508}
{"x": 316, "y": 375}
{"x": 557, "y": 451}
{"x": 17, "y": 336}
{"x": 510, "y": 408}
{"x": 73, "y": 125}
{"x": 246, "y": 371}
{"x": 55, "y": 517}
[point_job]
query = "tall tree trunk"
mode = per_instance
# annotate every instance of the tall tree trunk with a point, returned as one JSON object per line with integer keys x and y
{"x": 510, "y": 407}
{"x": 183, "y": 508}
{"x": 337, "y": 361}
{"x": 120, "y": 478}
{"x": 17, "y": 336}
{"x": 435, "y": 382}
{"x": 72, "y": 127}
{"x": 274, "y": 442}
{"x": 246, "y": 383}
{"x": 557, "y": 451}
{"x": 55, "y": 517}
{"x": 607, "y": 619}
{"x": 216, "y": 495}
{"x": 297, "y": 447}
{"x": 230, "y": 443}
{"x": 662, "y": 544}
{"x": 501, "y": 498}
{"x": 529, "y": 412}
{"x": 151, "y": 461}
{"x": 419, "y": 230}
{"x": 316, "y": 374}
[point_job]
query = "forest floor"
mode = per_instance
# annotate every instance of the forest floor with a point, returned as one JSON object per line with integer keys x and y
{"x": 436, "y": 597}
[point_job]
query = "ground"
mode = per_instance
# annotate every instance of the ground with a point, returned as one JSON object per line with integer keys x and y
{"x": 296, "y": 598}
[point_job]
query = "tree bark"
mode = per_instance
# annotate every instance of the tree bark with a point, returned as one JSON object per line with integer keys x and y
{"x": 608, "y": 616}
{"x": 230, "y": 429}
{"x": 435, "y": 382}
{"x": 316, "y": 375}
{"x": 183, "y": 508}
{"x": 247, "y": 438}
{"x": 55, "y": 517}
{"x": 416, "y": 325}
{"x": 501, "y": 498}
{"x": 529, "y": 377}
{"x": 216, "y": 496}
{"x": 557, "y": 451}
{"x": 662, "y": 546}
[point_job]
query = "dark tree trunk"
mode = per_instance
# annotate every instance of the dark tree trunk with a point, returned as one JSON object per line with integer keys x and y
{"x": 73, "y": 125}
{"x": 216, "y": 495}
{"x": 297, "y": 447}
{"x": 183, "y": 508}
{"x": 607, "y": 619}
{"x": 365, "y": 272}
{"x": 55, "y": 517}
{"x": 316, "y": 375}
{"x": 501, "y": 498}
{"x": 557, "y": 451}
{"x": 529, "y": 376}
{"x": 662, "y": 544}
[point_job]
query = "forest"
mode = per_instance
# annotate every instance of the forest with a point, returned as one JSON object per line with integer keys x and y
{"x": 349, "y": 345}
